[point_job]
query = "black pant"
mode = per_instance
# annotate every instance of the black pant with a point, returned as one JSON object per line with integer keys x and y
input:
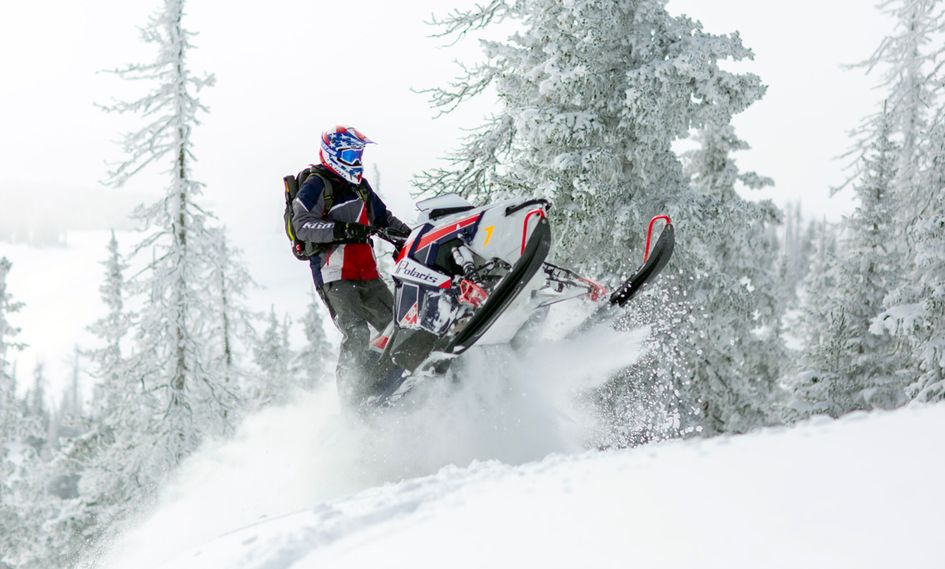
{"x": 353, "y": 306}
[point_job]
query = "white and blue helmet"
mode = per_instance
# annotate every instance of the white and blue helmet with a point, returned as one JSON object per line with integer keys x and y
{"x": 341, "y": 151}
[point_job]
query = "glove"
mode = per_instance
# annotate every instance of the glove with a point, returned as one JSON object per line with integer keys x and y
{"x": 344, "y": 231}
{"x": 401, "y": 232}
{"x": 397, "y": 228}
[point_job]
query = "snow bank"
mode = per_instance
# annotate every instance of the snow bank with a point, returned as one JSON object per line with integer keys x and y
{"x": 860, "y": 492}
{"x": 515, "y": 410}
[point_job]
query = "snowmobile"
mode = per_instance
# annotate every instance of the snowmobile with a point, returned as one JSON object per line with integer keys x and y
{"x": 470, "y": 275}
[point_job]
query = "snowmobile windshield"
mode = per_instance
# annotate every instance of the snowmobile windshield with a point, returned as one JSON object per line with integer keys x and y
{"x": 443, "y": 202}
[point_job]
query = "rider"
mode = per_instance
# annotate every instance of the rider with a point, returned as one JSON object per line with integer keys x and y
{"x": 341, "y": 218}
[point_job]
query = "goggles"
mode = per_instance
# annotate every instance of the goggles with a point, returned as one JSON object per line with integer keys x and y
{"x": 350, "y": 156}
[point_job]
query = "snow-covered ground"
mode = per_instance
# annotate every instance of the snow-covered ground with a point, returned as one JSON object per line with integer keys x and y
{"x": 864, "y": 491}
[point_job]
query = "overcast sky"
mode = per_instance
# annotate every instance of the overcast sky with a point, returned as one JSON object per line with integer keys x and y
{"x": 287, "y": 69}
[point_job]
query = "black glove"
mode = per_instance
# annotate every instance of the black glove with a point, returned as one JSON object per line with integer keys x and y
{"x": 401, "y": 232}
{"x": 351, "y": 231}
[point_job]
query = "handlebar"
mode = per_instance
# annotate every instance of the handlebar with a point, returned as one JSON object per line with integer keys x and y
{"x": 395, "y": 240}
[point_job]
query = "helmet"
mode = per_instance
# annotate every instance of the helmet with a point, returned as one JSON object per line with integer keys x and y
{"x": 341, "y": 151}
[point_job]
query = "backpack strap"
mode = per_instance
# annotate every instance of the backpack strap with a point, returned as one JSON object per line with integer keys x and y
{"x": 328, "y": 193}
{"x": 301, "y": 249}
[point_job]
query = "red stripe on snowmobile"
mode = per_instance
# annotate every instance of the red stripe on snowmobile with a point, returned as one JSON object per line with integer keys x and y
{"x": 404, "y": 250}
{"x": 434, "y": 236}
{"x": 381, "y": 342}
{"x": 541, "y": 213}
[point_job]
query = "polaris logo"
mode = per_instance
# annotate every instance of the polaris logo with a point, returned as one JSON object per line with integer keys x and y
{"x": 410, "y": 270}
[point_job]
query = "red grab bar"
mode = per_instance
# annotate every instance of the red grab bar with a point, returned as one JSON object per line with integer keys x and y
{"x": 649, "y": 234}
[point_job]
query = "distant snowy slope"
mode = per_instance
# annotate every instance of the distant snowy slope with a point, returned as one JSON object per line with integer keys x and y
{"x": 861, "y": 492}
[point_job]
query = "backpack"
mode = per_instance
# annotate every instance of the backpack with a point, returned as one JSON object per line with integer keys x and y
{"x": 303, "y": 251}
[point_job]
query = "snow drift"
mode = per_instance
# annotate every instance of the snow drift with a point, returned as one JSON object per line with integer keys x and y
{"x": 860, "y": 492}
{"x": 517, "y": 409}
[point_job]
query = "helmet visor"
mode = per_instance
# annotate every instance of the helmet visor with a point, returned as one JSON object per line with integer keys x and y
{"x": 350, "y": 156}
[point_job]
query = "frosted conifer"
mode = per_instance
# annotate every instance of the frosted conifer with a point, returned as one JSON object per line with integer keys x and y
{"x": 593, "y": 94}
{"x": 738, "y": 315}
{"x": 111, "y": 329}
{"x": 8, "y": 333}
{"x": 174, "y": 364}
{"x": 273, "y": 356}
{"x": 916, "y": 309}
{"x": 865, "y": 274}
{"x": 230, "y": 282}
{"x": 910, "y": 61}
{"x": 314, "y": 358}
{"x": 820, "y": 386}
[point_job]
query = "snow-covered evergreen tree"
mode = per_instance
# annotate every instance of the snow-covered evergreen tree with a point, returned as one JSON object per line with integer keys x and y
{"x": 24, "y": 499}
{"x": 112, "y": 329}
{"x": 8, "y": 344}
{"x": 910, "y": 61}
{"x": 312, "y": 361}
{"x": 99, "y": 469}
{"x": 274, "y": 357}
{"x": 822, "y": 330}
{"x": 916, "y": 309}
{"x": 797, "y": 244}
{"x": 11, "y": 449}
{"x": 36, "y": 404}
{"x": 865, "y": 273}
{"x": 72, "y": 404}
{"x": 230, "y": 282}
{"x": 738, "y": 315}
{"x": 593, "y": 94}
{"x": 174, "y": 363}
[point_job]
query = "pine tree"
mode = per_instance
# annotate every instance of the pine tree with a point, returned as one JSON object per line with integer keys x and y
{"x": 8, "y": 345}
{"x": 10, "y": 449}
{"x": 24, "y": 500}
{"x": 36, "y": 405}
{"x": 593, "y": 95}
{"x": 274, "y": 357}
{"x": 824, "y": 334}
{"x": 739, "y": 312}
{"x": 112, "y": 329}
{"x": 100, "y": 465}
{"x": 95, "y": 452}
{"x": 865, "y": 273}
{"x": 910, "y": 61}
{"x": 795, "y": 252}
{"x": 313, "y": 359}
{"x": 189, "y": 396}
{"x": 916, "y": 309}
{"x": 909, "y": 64}
{"x": 229, "y": 283}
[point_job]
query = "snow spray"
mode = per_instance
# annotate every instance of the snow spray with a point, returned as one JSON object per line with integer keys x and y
{"x": 513, "y": 407}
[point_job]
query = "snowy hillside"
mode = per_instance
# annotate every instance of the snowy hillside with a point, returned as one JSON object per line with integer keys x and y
{"x": 859, "y": 492}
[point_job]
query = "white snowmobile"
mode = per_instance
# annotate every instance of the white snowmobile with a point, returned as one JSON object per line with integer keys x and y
{"x": 469, "y": 275}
